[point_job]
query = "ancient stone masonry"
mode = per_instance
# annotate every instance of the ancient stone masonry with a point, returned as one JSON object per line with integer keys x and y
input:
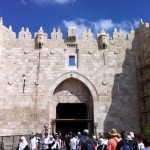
{"x": 38, "y": 74}
{"x": 143, "y": 73}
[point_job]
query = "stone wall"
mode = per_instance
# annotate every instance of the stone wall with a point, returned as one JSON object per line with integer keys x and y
{"x": 143, "y": 73}
{"x": 31, "y": 69}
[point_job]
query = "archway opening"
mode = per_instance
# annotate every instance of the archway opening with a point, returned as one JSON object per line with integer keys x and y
{"x": 72, "y": 107}
{"x": 71, "y": 117}
{"x": 71, "y": 110}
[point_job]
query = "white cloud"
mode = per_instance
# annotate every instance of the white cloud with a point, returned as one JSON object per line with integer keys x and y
{"x": 96, "y": 26}
{"x": 61, "y": 2}
{"x": 103, "y": 24}
{"x": 126, "y": 26}
{"x": 79, "y": 27}
{"x": 106, "y": 24}
{"x": 23, "y": 2}
{"x": 136, "y": 23}
{"x": 125, "y": 32}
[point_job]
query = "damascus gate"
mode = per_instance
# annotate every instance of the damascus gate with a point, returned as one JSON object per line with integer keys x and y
{"x": 72, "y": 84}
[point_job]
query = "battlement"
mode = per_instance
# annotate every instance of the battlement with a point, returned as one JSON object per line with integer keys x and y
{"x": 72, "y": 33}
{"x": 143, "y": 25}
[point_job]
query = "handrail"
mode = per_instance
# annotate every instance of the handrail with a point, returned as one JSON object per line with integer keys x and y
{"x": 12, "y": 143}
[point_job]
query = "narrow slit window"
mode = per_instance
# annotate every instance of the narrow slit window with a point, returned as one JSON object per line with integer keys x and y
{"x": 72, "y": 61}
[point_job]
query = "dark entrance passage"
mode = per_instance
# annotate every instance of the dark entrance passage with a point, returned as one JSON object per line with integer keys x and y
{"x": 71, "y": 117}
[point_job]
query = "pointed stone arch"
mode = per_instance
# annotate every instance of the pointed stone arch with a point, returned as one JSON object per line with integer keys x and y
{"x": 55, "y": 99}
{"x": 79, "y": 77}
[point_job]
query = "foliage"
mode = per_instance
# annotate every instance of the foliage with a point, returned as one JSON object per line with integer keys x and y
{"x": 147, "y": 132}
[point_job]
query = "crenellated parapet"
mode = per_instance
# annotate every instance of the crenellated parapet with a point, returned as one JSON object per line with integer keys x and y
{"x": 143, "y": 25}
{"x": 118, "y": 35}
{"x": 25, "y": 34}
{"x": 6, "y": 32}
{"x": 87, "y": 35}
{"x": 7, "y": 36}
{"x": 1, "y": 21}
{"x": 56, "y": 35}
{"x": 103, "y": 39}
{"x": 143, "y": 34}
{"x": 131, "y": 34}
{"x": 12, "y": 34}
{"x": 144, "y": 28}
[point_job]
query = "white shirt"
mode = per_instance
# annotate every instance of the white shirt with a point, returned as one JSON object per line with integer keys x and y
{"x": 45, "y": 142}
{"x": 141, "y": 146}
{"x": 33, "y": 143}
{"x": 51, "y": 141}
{"x": 73, "y": 143}
{"x": 58, "y": 143}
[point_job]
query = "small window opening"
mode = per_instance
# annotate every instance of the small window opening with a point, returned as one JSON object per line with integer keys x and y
{"x": 72, "y": 61}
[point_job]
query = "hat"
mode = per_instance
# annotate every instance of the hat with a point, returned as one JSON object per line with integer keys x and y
{"x": 132, "y": 134}
{"x": 129, "y": 138}
{"x": 86, "y": 131}
{"x": 56, "y": 134}
{"x": 118, "y": 135}
{"x": 33, "y": 134}
{"x": 79, "y": 133}
{"x": 113, "y": 132}
{"x": 94, "y": 137}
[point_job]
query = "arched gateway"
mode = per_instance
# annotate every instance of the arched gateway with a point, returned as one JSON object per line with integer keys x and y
{"x": 71, "y": 106}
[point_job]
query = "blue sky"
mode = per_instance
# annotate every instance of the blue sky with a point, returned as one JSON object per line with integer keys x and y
{"x": 94, "y": 14}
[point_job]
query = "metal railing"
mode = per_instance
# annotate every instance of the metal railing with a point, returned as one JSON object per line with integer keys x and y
{"x": 11, "y": 142}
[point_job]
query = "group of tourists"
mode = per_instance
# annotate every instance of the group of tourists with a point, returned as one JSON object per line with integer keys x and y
{"x": 85, "y": 141}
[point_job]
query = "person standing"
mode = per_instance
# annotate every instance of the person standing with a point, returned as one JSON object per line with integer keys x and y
{"x": 45, "y": 141}
{"x": 86, "y": 142}
{"x": 73, "y": 142}
{"x": 113, "y": 141}
{"x": 140, "y": 143}
{"x": 57, "y": 142}
{"x": 23, "y": 144}
{"x": 146, "y": 142}
{"x": 124, "y": 144}
{"x": 134, "y": 141}
{"x": 102, "y": 144}
{"x": 33, "y": 142}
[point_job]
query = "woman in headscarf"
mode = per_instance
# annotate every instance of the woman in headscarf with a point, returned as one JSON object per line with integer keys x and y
{"x": 23, "y": 144}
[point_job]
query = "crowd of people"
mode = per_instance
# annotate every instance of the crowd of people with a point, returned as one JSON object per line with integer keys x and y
{"x": 85, "y": 141}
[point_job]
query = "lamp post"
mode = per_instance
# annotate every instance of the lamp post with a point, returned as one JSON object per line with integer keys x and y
{"x": 46, "y": 125}
{"x": 53, "y": 126}
{"x": 95, "y": 126}
{"x": 118, "y": 83}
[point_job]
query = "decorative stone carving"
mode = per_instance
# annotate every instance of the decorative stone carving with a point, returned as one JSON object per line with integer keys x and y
{"x": 90, "y": 51}
{"x": 52, "y": 51}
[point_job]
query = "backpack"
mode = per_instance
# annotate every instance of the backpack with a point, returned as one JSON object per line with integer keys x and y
{"x": 89, "y": 144}
{"x": 126, "y": 146}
